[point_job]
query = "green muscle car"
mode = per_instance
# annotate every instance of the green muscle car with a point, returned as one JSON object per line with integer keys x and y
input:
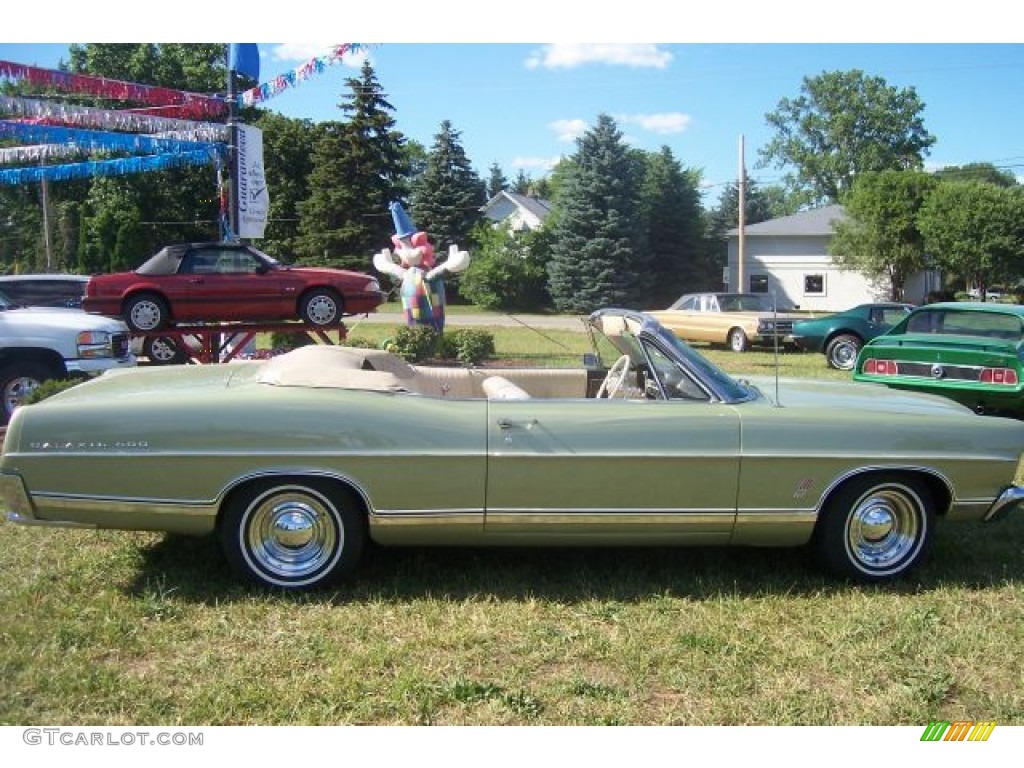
{"x": 297, "y": 462}
{"x": 970, "y": 352}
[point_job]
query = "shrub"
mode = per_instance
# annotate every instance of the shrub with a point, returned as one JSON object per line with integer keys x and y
{"x": 468, "y": 345}
{"x": 415, "y": 343}
{"x": 285, "y": 341}
{"x": 49, "y": 388}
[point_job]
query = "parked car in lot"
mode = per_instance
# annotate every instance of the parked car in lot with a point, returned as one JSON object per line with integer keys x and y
{"x": 42, "y": 343}
{"x": 840, "y": 336}
{"x": 970, "y": 352}
{"x": 214, "y": 282}
{"x": 44, "y": 290}
{"x": 737, "y": 319}
{"x": 296, "y": 463}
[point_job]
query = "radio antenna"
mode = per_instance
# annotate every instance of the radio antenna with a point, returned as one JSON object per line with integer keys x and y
{"x": 775, "y": 334}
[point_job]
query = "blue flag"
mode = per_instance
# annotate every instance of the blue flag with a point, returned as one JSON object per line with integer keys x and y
{"x": 245, "y": 59}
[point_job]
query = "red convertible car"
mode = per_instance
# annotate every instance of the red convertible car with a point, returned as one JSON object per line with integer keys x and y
{"x": 213, "y": 282}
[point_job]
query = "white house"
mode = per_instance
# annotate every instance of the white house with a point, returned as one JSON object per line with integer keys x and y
{"x": 789, "y": 256}
{"x": 517, "y": 211}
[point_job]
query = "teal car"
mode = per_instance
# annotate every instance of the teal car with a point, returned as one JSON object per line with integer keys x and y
{"x": 297, "y": 463}
{"x": 840, "y": 336}
{"x": 970, "y": 352}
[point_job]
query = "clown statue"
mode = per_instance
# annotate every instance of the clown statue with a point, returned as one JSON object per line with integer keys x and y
{"x": 421, "y": 279}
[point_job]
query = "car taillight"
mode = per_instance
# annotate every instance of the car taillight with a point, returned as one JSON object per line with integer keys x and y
{"x": 1004, "y": 376}
{"x": 880, "y": 367}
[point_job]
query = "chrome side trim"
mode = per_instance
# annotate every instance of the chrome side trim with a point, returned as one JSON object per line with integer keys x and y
{"x": 116, "y": 506}
{"x": 14, "y": 517}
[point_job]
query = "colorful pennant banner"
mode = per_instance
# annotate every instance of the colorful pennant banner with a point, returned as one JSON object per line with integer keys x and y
{"x": 97, "y": 140}
{"x": 118, "y": 167}
{"x": 288, "y": 80}
{"x": 50, "y": 113}
{"x": 166, "y": 102}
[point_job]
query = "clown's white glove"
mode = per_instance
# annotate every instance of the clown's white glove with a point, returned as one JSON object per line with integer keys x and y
{"x": 384, "y": 263}
{"x": 457, "y": 262}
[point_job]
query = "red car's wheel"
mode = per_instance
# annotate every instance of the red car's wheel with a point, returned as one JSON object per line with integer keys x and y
{"x": 321, "y": 306}
{"x": 146, "y": 312}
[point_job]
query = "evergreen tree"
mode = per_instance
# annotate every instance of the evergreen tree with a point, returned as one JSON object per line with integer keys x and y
{"x": 599, "y": 251}
{"x": 448, "y": 195}
{"x": 671, "y": 202}
{"x": 521, "y": 186}
{"x": 496, "y": 182}
{"x": 359, "y": 166}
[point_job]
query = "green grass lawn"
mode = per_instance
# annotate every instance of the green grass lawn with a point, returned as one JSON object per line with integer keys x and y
{"x": 112, "y": 628}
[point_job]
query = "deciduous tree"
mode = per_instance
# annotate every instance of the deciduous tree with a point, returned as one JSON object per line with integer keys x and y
{"x": 880, "y": 237}
{"x": 843, "y": 124}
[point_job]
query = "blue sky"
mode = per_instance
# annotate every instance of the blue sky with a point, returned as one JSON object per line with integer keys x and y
{"x": 521, "y": 105}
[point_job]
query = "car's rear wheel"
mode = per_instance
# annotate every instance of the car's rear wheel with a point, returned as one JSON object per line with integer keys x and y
{"x": 321, "y": 306}
{"x": 738, "y": 341}
{"x": 876, "y": 527}
{"x": 164, "y": 350}
{"x": 146, "y": 312}
{"x": 841, "y": 351}
{"x": 293, "y": 533}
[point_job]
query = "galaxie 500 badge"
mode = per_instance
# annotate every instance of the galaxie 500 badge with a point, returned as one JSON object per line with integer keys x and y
{"x": 87, "y": 445}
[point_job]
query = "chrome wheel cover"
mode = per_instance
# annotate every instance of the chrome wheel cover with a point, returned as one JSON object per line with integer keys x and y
{"x": 322, "y": 309}
{"x": 844, "y": 355}
{"x": 884, "y": 529}
{"x": 146, "y": 315}
{"x": 163, "y": 350}
{"x": 17, "y": 390}
{"x": 291, "y": 536}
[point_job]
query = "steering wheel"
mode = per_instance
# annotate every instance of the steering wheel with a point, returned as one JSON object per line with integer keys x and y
{"x": 615, "y": 377}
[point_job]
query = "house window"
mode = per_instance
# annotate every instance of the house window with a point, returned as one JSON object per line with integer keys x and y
{"x": 814, "y": 285}
{"x": 759, "y": 283}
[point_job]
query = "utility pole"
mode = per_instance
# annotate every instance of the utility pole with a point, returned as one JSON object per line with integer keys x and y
{"x": 232, "y": 149}
{"x": 741, "y": 248}
{"x": 46, "y": 216}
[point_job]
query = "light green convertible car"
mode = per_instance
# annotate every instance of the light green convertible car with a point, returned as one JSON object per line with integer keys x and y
{"x": 296, "y": 462}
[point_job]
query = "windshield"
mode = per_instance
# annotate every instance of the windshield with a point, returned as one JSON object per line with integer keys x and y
{"x": 750, "y": 302}
{"x": 953, "y": 322}
{"x": 723, "y": 384}
{"x": 624, "y": 332}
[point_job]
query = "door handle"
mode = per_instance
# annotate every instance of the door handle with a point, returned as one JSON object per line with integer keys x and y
{"x": 506, "y": 424}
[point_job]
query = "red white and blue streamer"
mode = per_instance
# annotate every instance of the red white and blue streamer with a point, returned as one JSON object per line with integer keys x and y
{"x": 287, "y": 80}
{"x": 165, "y": 102}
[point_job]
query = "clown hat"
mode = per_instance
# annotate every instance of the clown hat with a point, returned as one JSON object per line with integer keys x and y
{"x": 403, "y": 226}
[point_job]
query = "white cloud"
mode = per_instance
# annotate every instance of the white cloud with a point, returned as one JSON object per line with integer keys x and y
{"x": 569, "y": 130}
{"x": 663, "y": 123}
{"x": 303, "y": 52}
{"x": 540, "y": 163}
{"x": 569, "y": 56}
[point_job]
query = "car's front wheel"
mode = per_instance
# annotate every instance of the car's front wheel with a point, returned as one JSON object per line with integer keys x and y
{"x": 18, "y": 380}
{"x": 293, "y": 533}
{"x": 738, "y": 341}
{"x": 146, "y": 312}
{"x": 322, "y": 307}
{"x": 841, "y": 351}
{"x": 875, "y": 527}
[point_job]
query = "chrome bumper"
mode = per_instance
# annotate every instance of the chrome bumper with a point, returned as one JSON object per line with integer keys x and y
{"x": 1008, "y": 501}
{"x": 18, "y": 507}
